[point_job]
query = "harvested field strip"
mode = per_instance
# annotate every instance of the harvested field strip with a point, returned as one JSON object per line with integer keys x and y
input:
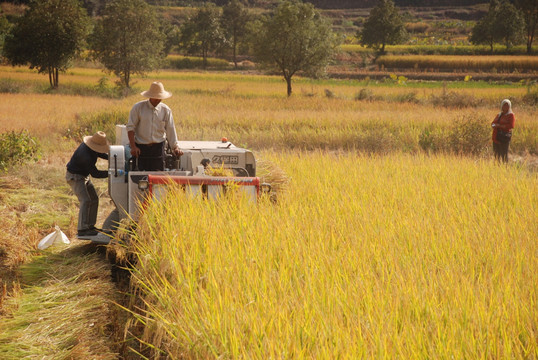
{"x": 64, "y": 310}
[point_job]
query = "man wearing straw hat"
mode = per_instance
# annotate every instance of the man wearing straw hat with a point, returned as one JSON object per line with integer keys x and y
{"x": 79, "y": 169}
{"x": 150, "y": 124}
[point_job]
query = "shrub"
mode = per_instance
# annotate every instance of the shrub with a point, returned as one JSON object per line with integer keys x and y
{"x": 365, "y": 94}
{"x": 431, "y": 140}
{"x": 531, "y": 98}
{"x": 17, "y": 148}
{"x": 9, "y": 86}
{"x": 469, "y": 136}
{"x": 455, "y": 100}
{"x": 419, "y": 27}
{"x": 104, "y": 121}
{"x": 188, "y": 62}
{"x": 409, "y": 97}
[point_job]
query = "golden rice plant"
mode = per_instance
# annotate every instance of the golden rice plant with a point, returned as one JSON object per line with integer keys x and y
{"x": 469, "y": 62}
{"x": 365, "y": 257}
{"x": 253, "y": 111}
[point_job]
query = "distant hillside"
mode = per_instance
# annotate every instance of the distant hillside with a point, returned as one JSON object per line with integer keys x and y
{"x": 322, "y": 4}
{"x": 357, "y": 4}
{"x": 332, "y": 4}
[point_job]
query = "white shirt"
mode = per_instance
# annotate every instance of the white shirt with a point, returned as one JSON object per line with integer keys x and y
{"x": 152, "y": 124}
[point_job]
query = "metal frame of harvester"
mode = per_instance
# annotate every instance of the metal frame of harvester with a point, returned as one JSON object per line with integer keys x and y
{"x": 129, "y": 188}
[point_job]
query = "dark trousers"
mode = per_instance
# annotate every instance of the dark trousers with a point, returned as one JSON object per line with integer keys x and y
{"x": 501, "y": 151}
{"x": 151, "y": 157}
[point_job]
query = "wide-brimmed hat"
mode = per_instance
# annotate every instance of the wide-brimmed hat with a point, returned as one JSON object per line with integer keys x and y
{"x": 156, "y": 91}
{"x": 97, "y": 142}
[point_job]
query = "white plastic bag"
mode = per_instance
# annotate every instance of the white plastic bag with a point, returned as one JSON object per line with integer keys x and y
{"x": 55, "y": 237}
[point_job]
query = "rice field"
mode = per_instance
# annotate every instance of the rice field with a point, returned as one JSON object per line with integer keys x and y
{"x": 253, "y": 110}
{"x": 442, "y": 49}
{"x": 453, "y": 62}
{"x": 363, "y": 257}
{"x": 375, "y": 249}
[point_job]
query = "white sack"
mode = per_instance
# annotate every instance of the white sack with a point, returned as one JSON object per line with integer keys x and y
{"x": 56, "y": 237}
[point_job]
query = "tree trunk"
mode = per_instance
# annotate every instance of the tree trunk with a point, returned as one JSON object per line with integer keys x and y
{"x": 56, "y": 78}
{"x": 531, "y": 28}
{"x": 50, "y": 78}
{"x": 288, "y": 81}
{"x": 235, "y": 52}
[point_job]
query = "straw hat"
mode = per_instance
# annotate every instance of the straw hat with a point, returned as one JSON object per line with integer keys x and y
{"x": 156, "y": 91}
{"x": 97, "y": 142}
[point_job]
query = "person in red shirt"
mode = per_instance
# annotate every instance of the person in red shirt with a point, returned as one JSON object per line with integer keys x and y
{"x": 502, "y": 130}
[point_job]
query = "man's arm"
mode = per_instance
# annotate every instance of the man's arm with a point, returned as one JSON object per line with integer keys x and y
{"x": 132, "y": 124}
{"x": 171, "y": 135}
{"x": 135, "y": 151}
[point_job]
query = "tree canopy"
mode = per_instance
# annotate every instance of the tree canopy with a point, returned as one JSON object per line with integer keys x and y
{"x": 503, "y": 22}
{"x": 294, "y": 38}
{"x": 529, "y": 11}
{"x": 234, "y": 21}
{"x": 48, "y": 36}
{"x": 384, "y": 26}
{"x": 484, "y": 30}
{"x": 201, "y": 33}
{"x": 127, "y": 40}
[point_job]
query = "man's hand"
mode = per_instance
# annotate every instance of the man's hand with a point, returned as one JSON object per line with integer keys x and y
{"x": 177, "y": 151}
{"x": 135, "y": 151}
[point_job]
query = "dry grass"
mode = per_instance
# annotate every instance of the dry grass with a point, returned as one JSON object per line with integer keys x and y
{"x": 45, "y": 115}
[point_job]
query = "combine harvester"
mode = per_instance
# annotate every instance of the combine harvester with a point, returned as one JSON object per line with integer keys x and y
{"x": 129, "y": 188}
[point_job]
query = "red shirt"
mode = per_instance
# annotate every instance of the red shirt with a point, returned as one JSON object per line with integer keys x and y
{"x": 504, "y": 122}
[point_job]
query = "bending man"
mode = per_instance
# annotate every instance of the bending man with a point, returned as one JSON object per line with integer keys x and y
{"x": 79, "y": 169}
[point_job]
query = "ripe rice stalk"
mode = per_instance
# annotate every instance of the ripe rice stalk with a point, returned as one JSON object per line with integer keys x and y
{"x": 365, "y": 256}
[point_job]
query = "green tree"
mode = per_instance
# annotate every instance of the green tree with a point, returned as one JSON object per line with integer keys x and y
{"x": 484, "y": 31}
{"x": 510, "y": 25}
{"x": 201, "y": 33}
{"x": 5, "y": 26}
{"x": 529, "y": 10}
{"x": 295, "y": 38}
{"x": 48, "y": 36}
{"x": 503, "y": 22}
{"x": 171, "y": 36}
{"x": 234, "y": 24}
{"x": 384, "y": 26}
{"x": 127, "y": 40}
